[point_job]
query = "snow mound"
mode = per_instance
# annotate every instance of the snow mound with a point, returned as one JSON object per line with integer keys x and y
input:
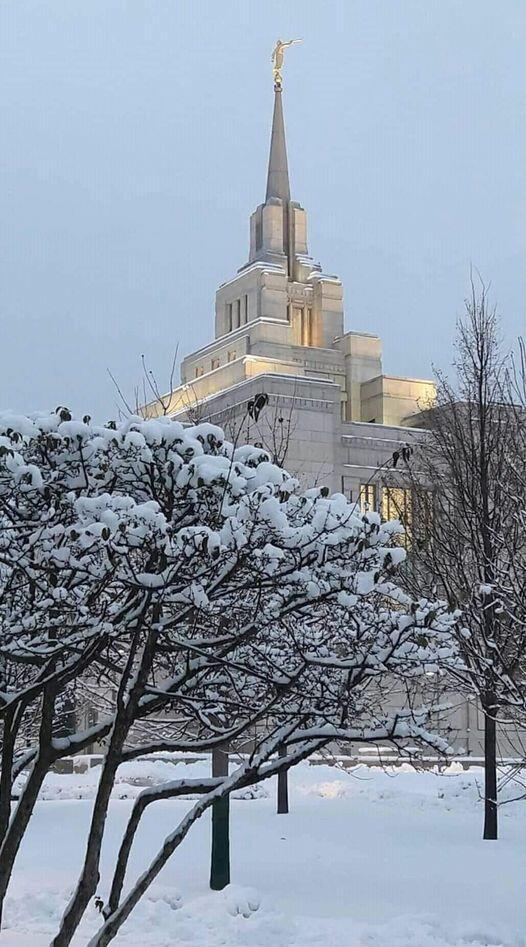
{"x": 257, "y": 791}
{"x": 38, "y": 910}
{"x": 235, "y": 917}
{"x": 166, "y": 894}
{"x": 332, "y": 789}
{"x": 240, "y": 900}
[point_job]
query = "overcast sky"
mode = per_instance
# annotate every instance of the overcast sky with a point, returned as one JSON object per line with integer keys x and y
{"x": 134, "y": 139}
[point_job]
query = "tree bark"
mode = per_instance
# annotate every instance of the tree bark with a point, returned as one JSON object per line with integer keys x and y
{"x": 220, "y": 857}
{"x": 283, "y": 785}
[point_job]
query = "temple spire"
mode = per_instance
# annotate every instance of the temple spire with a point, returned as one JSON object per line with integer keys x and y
{"x": 278, "y": 170}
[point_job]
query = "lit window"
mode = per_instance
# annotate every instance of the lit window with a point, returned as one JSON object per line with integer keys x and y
{"x": 368, "y": 496}
{"x": 215, "y": 363}
{"x": 397, "y": 505}
{"x": 306, "y": 326}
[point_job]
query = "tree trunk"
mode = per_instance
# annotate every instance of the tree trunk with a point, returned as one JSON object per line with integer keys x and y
{"x": 6, "y": 780}
{"x": 220, "y": 859}
{"x": 124, "y": 717}
{"x": 283, "y": 785}
{"x": 490, "y": 771}
{"x": 15, "y": 829}
{"x": 89, "y": 877}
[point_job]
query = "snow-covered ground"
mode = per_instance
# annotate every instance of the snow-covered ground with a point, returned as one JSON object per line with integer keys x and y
{"x": 364, "y": 859}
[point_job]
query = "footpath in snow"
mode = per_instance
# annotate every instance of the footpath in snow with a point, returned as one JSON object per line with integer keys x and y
{"x": 366, "y": 858}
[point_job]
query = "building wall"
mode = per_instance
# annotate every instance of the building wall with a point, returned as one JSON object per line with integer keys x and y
{"x": 387, "y": 399}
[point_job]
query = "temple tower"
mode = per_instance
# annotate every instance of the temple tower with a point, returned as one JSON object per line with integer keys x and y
{"x": 281, "y": 281}
{"x": 279, "y": 328}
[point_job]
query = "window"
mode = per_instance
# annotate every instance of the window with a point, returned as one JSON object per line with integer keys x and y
{"x": 215, "y": 363}
{"x": 199, "y": 370}
{"x": 368, "y": 497}
{"x": 238, "y": 313}
{"x": 397, "y": 505}
{"x": 309, "y": 327}
{"x": 303, "y": 323}
{"x": 231, "y": 356}
{"x": 229, "y": 317}
{"x": 245, "y": 308}
{"x": 306, "y": 326}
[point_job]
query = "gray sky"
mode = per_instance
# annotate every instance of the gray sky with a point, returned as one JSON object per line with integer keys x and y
{"x": 134, "y": 138}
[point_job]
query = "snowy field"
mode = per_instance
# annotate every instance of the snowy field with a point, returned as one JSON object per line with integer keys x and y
{"x": 364, "y": 859}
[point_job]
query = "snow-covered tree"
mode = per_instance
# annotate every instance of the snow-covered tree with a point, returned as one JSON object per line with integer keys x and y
{"x": 187, "y": 576}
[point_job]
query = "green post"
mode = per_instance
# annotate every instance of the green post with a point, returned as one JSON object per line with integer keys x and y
{"x": 283, "y": 785}
{"x": 220, "y": 860}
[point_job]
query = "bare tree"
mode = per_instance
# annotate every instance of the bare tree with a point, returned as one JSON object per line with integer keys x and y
{"x": 150, "y": 399}
{"x": 469, "y": 522}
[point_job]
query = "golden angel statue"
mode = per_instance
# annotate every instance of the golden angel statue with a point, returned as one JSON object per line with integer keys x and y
{"x": 277, "y": 59}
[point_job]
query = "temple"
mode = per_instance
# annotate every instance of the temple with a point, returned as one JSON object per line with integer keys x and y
{"x": 329, "y": 413}
{"x": 279, "y": 330}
